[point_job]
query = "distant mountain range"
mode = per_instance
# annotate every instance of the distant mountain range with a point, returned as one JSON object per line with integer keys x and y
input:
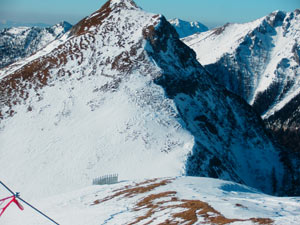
{"x": 9, "y": 24}
{"x": 185, "y": 28}
{"x": 260, "y": 62}
{"x": 19, "y": 42}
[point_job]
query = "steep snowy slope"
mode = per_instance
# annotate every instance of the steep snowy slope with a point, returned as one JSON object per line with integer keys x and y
{"x": 260, "y": 62}
{"x": 120, "y": 93}
{"x": 19, "y": 42}
{"x": 185, "y": 28}
{"x": 181, "y": 200}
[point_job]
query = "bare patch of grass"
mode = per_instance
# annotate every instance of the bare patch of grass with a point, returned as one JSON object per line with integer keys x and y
{"x": 148, "y": 203}
{"x": 190, "y": 211}
{"x": 131, "y": 191}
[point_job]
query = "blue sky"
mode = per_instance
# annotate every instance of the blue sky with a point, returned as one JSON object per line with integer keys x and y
{"x": 209, "y": 12}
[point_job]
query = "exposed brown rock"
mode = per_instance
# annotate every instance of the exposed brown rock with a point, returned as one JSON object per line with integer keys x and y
{"x": 102, "y": 13}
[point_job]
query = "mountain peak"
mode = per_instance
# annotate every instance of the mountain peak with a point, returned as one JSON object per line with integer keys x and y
{"x": 185, "y": 28}
{"x": 124, "y": 4}
{"x": 65, "y": 24}
{"x": 276, "y": 18}
{"x": 100, "y": 15}
{"x": 176, "y": 21}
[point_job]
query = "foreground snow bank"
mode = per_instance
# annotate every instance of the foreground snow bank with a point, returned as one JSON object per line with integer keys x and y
{"x": 188, "y": 200}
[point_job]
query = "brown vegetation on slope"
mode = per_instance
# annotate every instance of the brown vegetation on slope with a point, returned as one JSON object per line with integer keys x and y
{"x": 191, "y": 210}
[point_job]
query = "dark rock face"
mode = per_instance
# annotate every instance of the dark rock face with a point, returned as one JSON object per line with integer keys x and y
{"x": 276, "y": 18}
{"x": 264, "y": 99}
{"x": 210, "y": 112}
{"x": 285, "y": 125}
{"x": 159, "y": 39}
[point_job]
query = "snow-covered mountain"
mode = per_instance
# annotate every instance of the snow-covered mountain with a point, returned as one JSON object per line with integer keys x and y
{"x": 19, "y": 42}
{"x": 180, "y": 200}
{"x": 120, "y": 93}
{"x": 8, "y": 24}
{"x": 260, "y": 61}
{"x": 185, "y": 28}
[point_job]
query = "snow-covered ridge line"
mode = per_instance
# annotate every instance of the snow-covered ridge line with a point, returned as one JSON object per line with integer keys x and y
{"x": 179, "y": 200}
{"x": 230, "y": 35}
